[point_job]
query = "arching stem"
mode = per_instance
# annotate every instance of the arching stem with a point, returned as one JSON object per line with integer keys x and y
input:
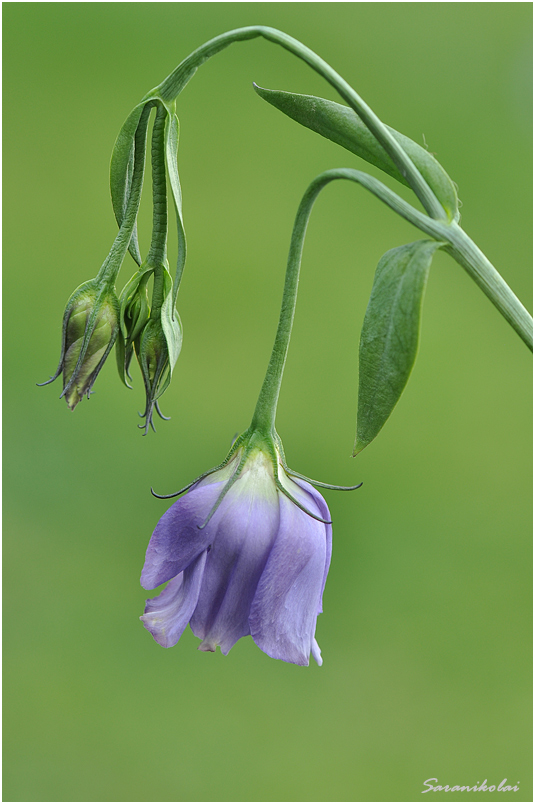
{"x": 462, "y": 248}
{"x": 177, "y": 80}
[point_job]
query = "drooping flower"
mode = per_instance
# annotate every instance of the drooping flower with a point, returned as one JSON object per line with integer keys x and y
{"x": 90, "y": 326}
{"x": 246, "y": 551}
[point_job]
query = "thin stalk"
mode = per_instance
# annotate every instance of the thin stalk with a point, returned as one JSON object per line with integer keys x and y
{"x": 266, "y": 407}
{"x": 485, "y": 275}
{"x": 177, "y": 80}
{"x": 460, "y": 247}
{"x": 158, "y": 246}
{"x": 157, "y": 255}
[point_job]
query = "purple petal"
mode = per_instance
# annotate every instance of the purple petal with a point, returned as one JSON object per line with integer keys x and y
{"x": 316, "y": 653}
{"x": 285, "y": 606}
{"x": 177, "y": 540}
{"x": 247, "y": 524}
{"x": 325, "y": 514}
{"x": 167, "y": 615}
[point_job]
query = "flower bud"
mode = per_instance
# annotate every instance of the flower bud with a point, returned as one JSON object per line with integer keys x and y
{"x": 152, "y": 352}
{"x": 134, "y": 314}
{"x": 90, "y": 325}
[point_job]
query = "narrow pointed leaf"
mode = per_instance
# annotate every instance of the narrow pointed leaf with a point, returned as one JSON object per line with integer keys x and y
{"x": 171, "y": 149}
{"x": 390, "y": 333}
{"x": 342, "y": 125}
{"x": 121, "y": 168}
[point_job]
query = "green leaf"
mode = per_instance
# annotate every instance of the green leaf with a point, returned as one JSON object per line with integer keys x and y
{"x": 122, "y": 165}
{"x": 172, "y": 128}
{"x": 342, "y": 125}
{"x": 390, "y": 333}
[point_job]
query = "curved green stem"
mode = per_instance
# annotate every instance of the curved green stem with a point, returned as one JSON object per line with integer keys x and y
{"x": 461, "y": 248}
{"x": 157, "y": 255}
{"x": 266, "y": 407}
{"x": 177, "y": 80}
{"x": 485, "y": 275}
{"x": 158, "y": 247}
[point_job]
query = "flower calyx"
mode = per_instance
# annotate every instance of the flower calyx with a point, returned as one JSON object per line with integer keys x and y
{"x": 245, "y": 446}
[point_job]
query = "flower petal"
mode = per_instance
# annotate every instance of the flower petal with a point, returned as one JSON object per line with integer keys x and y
{"x": 247, "y": 524}
{"x": 285, "y": 606}
{"x": 316, "y": 653}
{"x": 167, "y": 615}
{"x": 177, "y": 540}
{"x": 325, "y": 514}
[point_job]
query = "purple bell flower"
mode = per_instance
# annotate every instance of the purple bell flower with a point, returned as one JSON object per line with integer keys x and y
{"x": 256, "y": 565}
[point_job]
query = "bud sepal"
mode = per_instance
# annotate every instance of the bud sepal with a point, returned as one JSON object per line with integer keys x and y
{"x": 158, "y": 347}
{"x": 134, "y": 313}
{"x": 90, "y": 326}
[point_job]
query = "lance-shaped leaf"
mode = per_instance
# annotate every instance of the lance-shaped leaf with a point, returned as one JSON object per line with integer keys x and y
{"x": 342, "y": 125}
{"x": 122, "y": 167}
{"x": 171, "y": 149}
{"x": 390, "y": 333}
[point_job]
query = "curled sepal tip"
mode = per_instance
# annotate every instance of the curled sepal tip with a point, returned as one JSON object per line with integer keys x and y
{"x": 90, "y": 326}
{"x": 291, "y": 473}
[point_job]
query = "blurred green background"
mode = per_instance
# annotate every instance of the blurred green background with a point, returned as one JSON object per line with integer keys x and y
{"x": 426, "y": 631}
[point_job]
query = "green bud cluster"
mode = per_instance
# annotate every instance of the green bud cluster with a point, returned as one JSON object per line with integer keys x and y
{"x": 152, "y": 332}
{"x": 95, "y": 319}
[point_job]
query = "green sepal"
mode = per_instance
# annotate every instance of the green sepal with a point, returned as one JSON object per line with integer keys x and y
{"x": 342, "y": 125}
{"x": 172, "y": 128}
{"x": 157, "y": 349}
{"x": 390, "y": 334}
{"x": 172, "y": 329}
{"x": 134, "y": 313}
{"x": 123, "y": 362}
{"x": 89, "y": 288}
{"x": 121, "y": 167}
{"x": 89, "y": 330}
